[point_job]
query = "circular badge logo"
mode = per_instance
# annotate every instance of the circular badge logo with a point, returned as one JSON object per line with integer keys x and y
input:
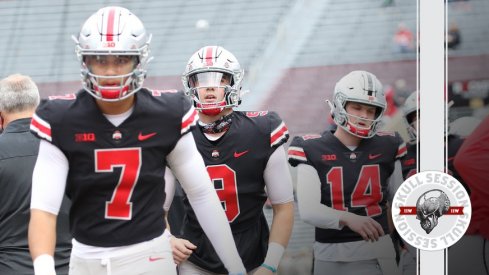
{"x": 431, "y": 210}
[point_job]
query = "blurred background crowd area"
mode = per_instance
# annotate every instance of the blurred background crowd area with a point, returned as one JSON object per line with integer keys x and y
{"x": 293, "y": 52}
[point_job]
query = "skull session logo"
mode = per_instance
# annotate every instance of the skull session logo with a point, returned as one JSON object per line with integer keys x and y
{"x": 431, "y": 210}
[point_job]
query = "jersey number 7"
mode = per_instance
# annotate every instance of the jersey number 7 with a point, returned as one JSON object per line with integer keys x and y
{"x": 129, "y": 159}
{"x": 367, "y": 192}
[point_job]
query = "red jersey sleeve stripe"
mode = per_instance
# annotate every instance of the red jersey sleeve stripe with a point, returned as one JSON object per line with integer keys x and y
{"x": 297, "y": 153}
{"x": 402, "y": 150}
{"x": 189, "y": 120}
{"x": 278, "y": 134}
{"x": 41, "y": 127}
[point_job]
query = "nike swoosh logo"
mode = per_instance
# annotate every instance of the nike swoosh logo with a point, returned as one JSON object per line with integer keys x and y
{"x": 370, "y": 156}
{"x": 142, "y": 137}
{"x": 152, "y": 259}
{"x": 237, "y": 155}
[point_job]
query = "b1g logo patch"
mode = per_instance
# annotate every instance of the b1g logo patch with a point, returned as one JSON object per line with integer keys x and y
{"x": 431, "y": 210}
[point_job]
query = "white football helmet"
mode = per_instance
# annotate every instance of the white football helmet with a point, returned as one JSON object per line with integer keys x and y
{"x": 361, "y": 87}
{"x": 409, "y": 109}
{"x": 113, "y": 31}
{"x": 204, "y": 69}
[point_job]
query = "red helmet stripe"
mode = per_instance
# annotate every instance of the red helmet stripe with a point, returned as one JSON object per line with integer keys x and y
{"x": 208, "y": 56}
{"x": 109, "y": 34}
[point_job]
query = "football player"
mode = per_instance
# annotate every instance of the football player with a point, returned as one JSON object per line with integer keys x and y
{"x": 410, "y": 162}
{"x": 410, "y": 118}
{"x": 470, "y": 254}
{"x": 455, "y": 137}
{"x": 346, "y": 177}
{"x": 410, "y": 112}
{"x": 107, "y": 146}
{"x": 246, "y": 161}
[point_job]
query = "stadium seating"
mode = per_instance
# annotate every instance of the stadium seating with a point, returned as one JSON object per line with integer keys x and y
{"x": 346, "y": 35}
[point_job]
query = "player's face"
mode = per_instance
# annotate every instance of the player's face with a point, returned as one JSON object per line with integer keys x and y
{"x": 210, "y": 85}
{"x": 360, "y": 114}
{"x": 111, "y": 65}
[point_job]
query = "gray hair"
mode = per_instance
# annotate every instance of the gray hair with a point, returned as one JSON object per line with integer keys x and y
{"x": 18, "y": 93}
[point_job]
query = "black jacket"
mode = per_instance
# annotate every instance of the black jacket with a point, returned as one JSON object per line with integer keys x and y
{"x": 18, "y": 154}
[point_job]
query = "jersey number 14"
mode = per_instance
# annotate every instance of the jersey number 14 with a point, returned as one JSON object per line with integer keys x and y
{"x": 367, "y": 192}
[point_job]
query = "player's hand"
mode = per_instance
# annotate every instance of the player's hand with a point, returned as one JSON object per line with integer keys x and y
{"x": 368, "y": 228}
{"x": 263, "y": 271}
{"x": 181, "y": 248}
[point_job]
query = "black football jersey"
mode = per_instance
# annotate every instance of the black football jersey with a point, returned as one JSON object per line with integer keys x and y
{"x": 354, "y": 181}
{"x": 410, "y": 160}
{"x": 116, "y": 173}
{"x": 236, "y": 163}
